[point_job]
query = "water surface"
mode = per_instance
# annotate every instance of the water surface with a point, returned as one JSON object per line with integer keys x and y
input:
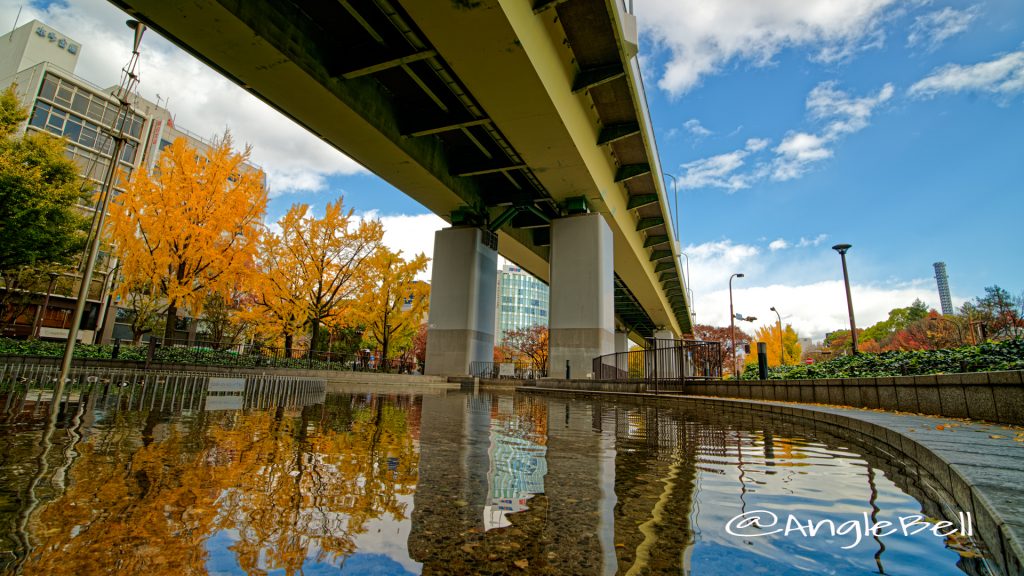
{"x": 442, "y": 482}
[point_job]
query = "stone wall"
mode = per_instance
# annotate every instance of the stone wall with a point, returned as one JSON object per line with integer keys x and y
{"x": 991, "y": 396}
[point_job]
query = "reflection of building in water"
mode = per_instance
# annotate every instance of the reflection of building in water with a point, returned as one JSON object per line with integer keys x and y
{"x": 517, "y": 457}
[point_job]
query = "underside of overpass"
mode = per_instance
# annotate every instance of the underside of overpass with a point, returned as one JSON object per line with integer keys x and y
{"x": 500, "y": 114}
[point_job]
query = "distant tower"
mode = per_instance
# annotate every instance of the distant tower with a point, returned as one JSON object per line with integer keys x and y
{"x": 943, "y": 281}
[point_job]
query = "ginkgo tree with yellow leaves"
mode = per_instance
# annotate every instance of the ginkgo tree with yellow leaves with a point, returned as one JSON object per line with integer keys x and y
{"x": 789, "y": 345}
{"x": 315, "y": 269}
{"x": 393, "y": 304}
{"x": 190, "y": 227}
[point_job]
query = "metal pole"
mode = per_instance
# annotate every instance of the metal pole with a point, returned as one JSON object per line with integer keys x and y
{"x": 782, "y": 341}
{"x": 732, "y": 324}
{"x": 128, "y": 82}
{"x": 842, "y": 248}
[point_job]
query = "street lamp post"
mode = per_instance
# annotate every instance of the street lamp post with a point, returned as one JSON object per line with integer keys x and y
{"x": 732, "y": 324}
{"x": 782, "y": 347}
{"x": 122, "y": 122}
{"x": 675, "y": 228}
{"x": 842, "y": 248}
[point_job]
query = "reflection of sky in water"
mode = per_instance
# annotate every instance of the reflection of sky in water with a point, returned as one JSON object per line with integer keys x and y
{"x": 382, "y": 550}
{"x": 812, "y": 483}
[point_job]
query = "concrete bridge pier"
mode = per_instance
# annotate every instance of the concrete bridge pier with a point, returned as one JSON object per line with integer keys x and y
{"x": 462, "y": 291}
{"x": 582, "y": 311}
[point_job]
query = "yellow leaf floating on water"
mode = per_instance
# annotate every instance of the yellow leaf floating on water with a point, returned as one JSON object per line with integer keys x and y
{"x": 996, "y": 436}
{"x": 524, "y": 563}
{"x": 940, "y": 427}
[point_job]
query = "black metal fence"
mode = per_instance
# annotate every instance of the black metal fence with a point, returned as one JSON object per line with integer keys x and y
{"x": 259, "y": 356}
{"x": 663, "y": 361}
{"x": 515, "y": 370}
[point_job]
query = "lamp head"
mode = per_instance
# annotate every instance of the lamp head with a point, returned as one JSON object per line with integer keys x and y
{"x": 842, "y": 248}
{"x": 773, "y": 309}
{"x": 739, "y": 275}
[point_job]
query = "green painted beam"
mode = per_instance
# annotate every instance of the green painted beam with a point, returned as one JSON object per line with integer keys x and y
{"x": 662, "y": 266}
{"x": 595, "y": 76}
{"x": 627, "y": 171}
{"x": 660, "y": 255}
{"x": 655, "y": 240}
{"x": 638, "y": 200}
{"x": 650, "y": 222}
{"x": 612, "y": 132}
{"x": 667, "y": 275}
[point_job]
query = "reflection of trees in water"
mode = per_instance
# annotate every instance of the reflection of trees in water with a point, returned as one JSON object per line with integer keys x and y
{"x": 144, "y": 493}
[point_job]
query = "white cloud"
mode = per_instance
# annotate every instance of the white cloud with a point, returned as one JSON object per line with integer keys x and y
{"x": 757, "y": 144}
{"x": 816, "y": 241}
{"x": 716, "y": 171}
{"x": 702, "y": 37}
{"x": 778, "y": 244}
{"x": 845, "y": 114}
{"x": 412, "y": 234}
{"x": 932, "y": 29}
{"x": 840, "y": 113}
{"x": 814, "y": 302}
{"x": 202, "y": 101}
{"x": 1002, "y": 76}
{"x": 694, "y": 127}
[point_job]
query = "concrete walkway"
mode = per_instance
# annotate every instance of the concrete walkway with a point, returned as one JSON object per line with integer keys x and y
{"x": 980, "y": 466}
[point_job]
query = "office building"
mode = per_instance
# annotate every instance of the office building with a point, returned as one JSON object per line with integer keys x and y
{"x": 40, "y": 62}
{"x": 942, "y": 280}
{"x": 522, "y": 302}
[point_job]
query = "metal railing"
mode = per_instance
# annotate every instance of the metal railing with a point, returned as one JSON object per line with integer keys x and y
{"x": 203, "y": 353}
{"x": 663, "y": 361}
{"x": 28, "y": 387}
{"x": 513, "y": 370}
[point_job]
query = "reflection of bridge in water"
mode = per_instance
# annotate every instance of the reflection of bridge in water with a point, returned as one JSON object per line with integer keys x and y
{"x": 600, "y": 487}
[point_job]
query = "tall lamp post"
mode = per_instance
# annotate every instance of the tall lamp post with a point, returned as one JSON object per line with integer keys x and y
{"x": 675, "y": 228}
{"x": 129, "y": 79}
{"x": 732, "y": 324}
{"x": 842, "y": 248}
{"x": 782, "y": 346}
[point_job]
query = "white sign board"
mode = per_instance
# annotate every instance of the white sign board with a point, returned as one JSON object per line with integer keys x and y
{"x": 506, "y": 370}
{"x": 220, "y": 384}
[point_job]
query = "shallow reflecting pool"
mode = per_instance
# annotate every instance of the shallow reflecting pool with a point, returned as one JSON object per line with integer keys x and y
{"x": 452, "y": 482}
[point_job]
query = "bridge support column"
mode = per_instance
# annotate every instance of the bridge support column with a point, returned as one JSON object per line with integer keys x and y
{"x": 462, "y": 291}
{"x": 582, "y": 294}
{"x": 668, "y": 355}
{"x": 621, "y": 342}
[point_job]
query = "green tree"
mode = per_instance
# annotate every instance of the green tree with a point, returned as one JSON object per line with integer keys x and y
{"x": 899, "y": 319}
{"x": 999, "y": 311}
{"x": 39, "y": 189}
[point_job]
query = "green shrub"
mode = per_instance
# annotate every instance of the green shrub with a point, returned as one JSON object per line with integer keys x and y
{"x": 987, "y": 357}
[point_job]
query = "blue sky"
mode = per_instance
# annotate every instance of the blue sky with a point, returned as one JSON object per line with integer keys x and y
{"x": 895, "y": 126}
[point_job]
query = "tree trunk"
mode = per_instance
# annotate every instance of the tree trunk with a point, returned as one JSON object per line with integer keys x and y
{"x": 384, "y": 350}
{"x": 315, "y": 340}
{"x": 172, "y": 319}
{"x": 288, "y": 344}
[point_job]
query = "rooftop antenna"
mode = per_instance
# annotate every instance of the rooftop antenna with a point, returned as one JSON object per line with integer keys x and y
{"x": 15, "y": 27}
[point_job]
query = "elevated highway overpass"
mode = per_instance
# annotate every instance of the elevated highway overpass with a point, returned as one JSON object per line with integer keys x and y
{"x": 523, "y": 123}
